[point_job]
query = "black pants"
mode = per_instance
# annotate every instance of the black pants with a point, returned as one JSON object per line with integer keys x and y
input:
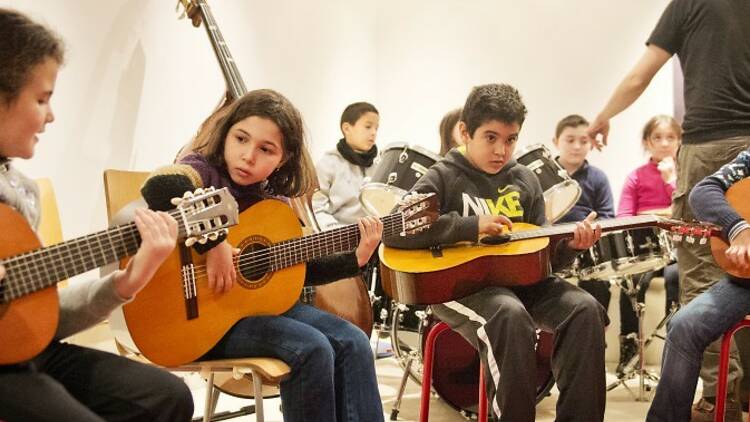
{"x": 501, "y": 323}
{"x": 72, "y": 383}
{"x": 628, "y": 317}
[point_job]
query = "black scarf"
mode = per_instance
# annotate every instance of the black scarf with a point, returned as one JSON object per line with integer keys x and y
{"x": 362, "y": 159}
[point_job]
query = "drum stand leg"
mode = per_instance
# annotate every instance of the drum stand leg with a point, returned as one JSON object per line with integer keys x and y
{"x": 397, "y": 405}
{"x": 636, "y": 364}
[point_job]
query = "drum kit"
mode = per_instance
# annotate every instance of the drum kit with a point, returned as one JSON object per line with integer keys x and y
{"x": 618, "y": 255}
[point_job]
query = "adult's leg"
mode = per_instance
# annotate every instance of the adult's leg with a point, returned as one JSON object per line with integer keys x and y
{"x": 116, "y": 388}
{"x": 672, "y": 287}
{"x": 697, "y": 270}
{"x": 497, "y": 324}
{"x": 691, "y": 330}
{"x": 577, "y": 322}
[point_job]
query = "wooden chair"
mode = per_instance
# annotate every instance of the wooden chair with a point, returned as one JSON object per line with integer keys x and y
{"x": 50, "y": 229}
{"x": 241, "y": 377}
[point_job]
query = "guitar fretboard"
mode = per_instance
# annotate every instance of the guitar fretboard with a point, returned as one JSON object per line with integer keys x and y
{"x": 606, "y": 224}
{"x": 44, "y": 267}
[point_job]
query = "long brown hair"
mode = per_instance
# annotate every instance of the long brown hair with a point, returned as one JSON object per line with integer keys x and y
{"x": 446, "y": 130}
{"x": 24, "y": 44}
{"x": 654, "y": 122}
{"x": 296, "y": 175}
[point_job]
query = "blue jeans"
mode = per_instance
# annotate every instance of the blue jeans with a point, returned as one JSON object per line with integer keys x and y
{"x": 333, "y": 371}
{"x": 691, "y": 330}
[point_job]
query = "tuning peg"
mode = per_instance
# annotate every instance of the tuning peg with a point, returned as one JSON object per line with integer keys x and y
{"x": 210, "y": 189}
{"x": 190, "y": 241}
{"x": 199, "y": 191}
{"x": 677, "y": 237}
{"x": 203, "y": 240}
{"x": 176, "y": 201}
{"x": 213, "y": 236}
{"x": 188, "y": 195}
{"x": 690, "y": 239}
{"x": 703, "y": 241}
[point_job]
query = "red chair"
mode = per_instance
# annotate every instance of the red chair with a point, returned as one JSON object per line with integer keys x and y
{"x": 424, "y": 409}
{"x": 721, "y": 388}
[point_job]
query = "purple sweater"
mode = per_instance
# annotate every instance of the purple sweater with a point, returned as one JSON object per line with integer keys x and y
{"x": 644, "y": 190}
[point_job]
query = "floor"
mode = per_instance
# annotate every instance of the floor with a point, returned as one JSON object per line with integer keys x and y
{"x": 621, "y": 401}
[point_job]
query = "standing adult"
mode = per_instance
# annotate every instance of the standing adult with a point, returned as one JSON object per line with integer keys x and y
{"x": 712, "y": 40}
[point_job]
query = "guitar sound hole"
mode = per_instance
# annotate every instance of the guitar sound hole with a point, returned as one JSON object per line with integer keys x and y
{"x": 255, "y": 262}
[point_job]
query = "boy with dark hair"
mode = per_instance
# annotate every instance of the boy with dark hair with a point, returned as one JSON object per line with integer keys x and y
{"x": 481, "y": 190}
{"x": 574, "y": 144}
{"x": 342, "y": 171}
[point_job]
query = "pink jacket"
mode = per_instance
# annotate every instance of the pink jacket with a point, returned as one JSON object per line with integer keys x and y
{"x": 644, "y": 190}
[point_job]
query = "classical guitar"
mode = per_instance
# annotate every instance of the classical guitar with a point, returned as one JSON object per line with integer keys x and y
{"x": 737, "y": 197}
{"x": 176, "y": 318}
{"x": 519, "y": 257}
{"x": 28, "y": 296}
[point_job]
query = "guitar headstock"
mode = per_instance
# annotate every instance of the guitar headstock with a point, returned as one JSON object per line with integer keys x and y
{"x": 688, "y": 232}
{"x": 205, "y": 214}
{"x": 191, "y": 9}
{"x": 418, "y": 210}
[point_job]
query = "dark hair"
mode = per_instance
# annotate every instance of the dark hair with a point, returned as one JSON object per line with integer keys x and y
{"x": 354, "y": 111}
{"x": 573, "y": 120}
{"x": 499, "y": 102}
{"x": 295, "y": 176}
{"x": 24, "y": 44}
{"x": 446, "y": 130}
{"x": 655, "y": 121}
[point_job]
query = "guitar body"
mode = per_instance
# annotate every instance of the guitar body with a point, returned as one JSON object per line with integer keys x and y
{"x": 417, "y": 277}
{"x": 27, "y": 324}
{"x": 737, "y": 197}
{"x": 348, "y": 299}
{"x": 157, "y": 319}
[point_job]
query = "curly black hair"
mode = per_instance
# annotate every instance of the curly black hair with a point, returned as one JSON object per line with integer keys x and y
{"x": 490, "y": 102}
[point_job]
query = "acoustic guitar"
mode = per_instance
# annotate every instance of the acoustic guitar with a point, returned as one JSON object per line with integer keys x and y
{"x": 516, "y": 258}
{"x": 737, "y": 197}
{"x": 29, "y": 308}
{"x": 177, "y": 318}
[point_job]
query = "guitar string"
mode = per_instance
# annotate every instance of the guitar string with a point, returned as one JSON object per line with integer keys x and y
{"x": 61, "y": 257}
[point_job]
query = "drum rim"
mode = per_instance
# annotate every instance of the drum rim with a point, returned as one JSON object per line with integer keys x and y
{"x": 528, "y": 148}
{"x": 369, "y": 187}
{"x": 559, "y": 186}
{"x": 418, "y": 148}
{"x": 586, "y": 274}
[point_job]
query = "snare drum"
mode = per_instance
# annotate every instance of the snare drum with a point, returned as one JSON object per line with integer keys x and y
{"x": 560, "y": 191}
{"x": 398, "y": 169}
{"x": 625, "y": 252}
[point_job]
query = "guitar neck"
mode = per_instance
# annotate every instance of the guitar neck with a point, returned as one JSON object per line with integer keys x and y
{"x": 607, "y": 225}
{"x": 342, "y": 239}
{"x": 41, "y": 268}
{"x": 235, "y": 85}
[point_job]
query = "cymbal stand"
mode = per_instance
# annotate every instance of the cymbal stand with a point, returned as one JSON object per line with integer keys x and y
{"x": 636, "y": 364}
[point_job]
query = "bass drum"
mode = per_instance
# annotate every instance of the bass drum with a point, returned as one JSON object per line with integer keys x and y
{"x": 455, "y": 373}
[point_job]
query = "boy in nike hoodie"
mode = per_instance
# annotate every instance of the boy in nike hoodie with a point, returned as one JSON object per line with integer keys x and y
{"x": 482, "y": 190}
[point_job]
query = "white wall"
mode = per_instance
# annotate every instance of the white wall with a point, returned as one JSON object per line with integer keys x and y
{"x": 138, "y": 82}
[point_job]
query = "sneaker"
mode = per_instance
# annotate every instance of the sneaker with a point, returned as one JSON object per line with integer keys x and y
{"x": 628, "y": 349}
{"x": 703, "y": 411}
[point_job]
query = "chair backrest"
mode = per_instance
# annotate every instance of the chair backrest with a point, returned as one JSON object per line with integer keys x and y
{"x": 122, "y": 187}
{"x": 50, "y": 229}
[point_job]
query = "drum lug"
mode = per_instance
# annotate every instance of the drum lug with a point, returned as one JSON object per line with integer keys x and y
{"x": 404, "y": 155}
{"x": 392, "y": 177}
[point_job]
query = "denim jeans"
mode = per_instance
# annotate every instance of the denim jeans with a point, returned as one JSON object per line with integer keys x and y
{"x": 691, "y": 330}
{"x": 333, "y": 371}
